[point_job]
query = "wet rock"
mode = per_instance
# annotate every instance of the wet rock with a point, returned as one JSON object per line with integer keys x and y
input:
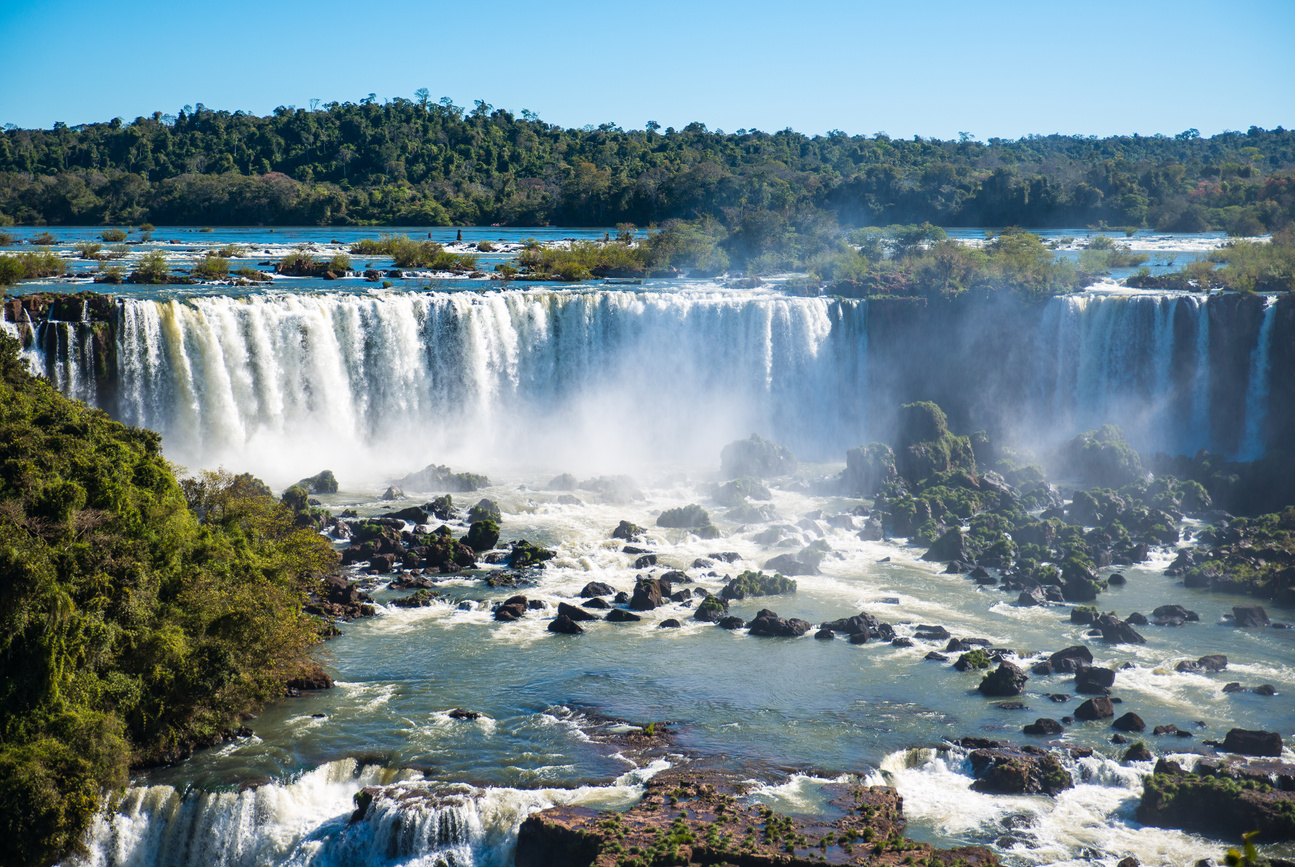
{"x": 1116, "y": 631}
{"x": 1210, "y": 801}
{"x": 712, "y": 609}
{"x": 576, "y": 614}
{"x": 1136, "y": 619}
{"x": 645, "y": 561}
{"x": 1250, "y": 616}
{"x": 1032, "y": 597}
{"x": 620, "y": 615}
{"x": 1175, "y": 612}
{"x": 1006, "y": 771}
{"x": 862, "y": 638}
{"x": 1044, "y": 726}
{"x": 1117, "y": 580}
{"x": 513, "y": 608}
{"x": 1041, "y": 669}
{"x": 926, "y": 632}
{"x": 936, "y": 656}
{"x": 768, "y": 623}
{"x": 702, "y": 563}
{"x": 1006, "y": 680}
{"x": 1095, "y": 709}
{"x": 1094, "y": 680}
{"x": 793, "y": 564}
{"x": 732, "y": 622}
{"x": 595, "y": 603}
{"x": 1138, "y": 753}
{"x": 564, "y": 482}
{"x": 1253, "y": 743}
{"x": 566, "y": 626}
{"x": 596, "y": 588}
{"x": 696, "y": 804}
{"x": 1169, "y": 729}
{"x": 825, "y": 635}
{"x": 649, "y": 593}
{"x": 393, "y": 493}
{"x": 1071, "y": 659}
{"x": 460, "y": 713}
{"x": 1129, "y": 722}
{"x": 951, "y": 546}
{"x": 621, "y": 598}
{"x": 669, "y": 623}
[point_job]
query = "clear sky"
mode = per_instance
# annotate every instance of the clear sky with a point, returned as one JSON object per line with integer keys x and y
{"x": 930, "y": 68}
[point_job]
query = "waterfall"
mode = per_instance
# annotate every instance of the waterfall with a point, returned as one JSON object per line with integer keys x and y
{"x": 383, "y": 383}
{"x": 1257, "y": 389}
{"x": 308, "y": 821}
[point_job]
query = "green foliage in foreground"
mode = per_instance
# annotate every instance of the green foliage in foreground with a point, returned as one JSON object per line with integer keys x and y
{"x": 139, "y": 616}
{"x": 30, "y": 265}
{"x": 1242, "y": 266}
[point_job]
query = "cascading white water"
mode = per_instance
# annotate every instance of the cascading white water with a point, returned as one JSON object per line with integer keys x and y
{"x": 307, "y": 821}
{"x": 408, "y": 378}
{"x": 377, "y": 385}
{"x": 1252, "y": 445}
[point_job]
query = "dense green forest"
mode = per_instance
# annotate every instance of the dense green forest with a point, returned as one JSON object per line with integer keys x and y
{"x": 139, "y": 615}
{"x": 420, "y": 162}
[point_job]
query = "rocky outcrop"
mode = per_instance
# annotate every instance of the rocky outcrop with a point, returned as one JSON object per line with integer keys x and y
{"x": 755, "y": 456}
{"x": 1005, "y": 770}
{"x": 768, "y": 623}
{"x": 693, "y": 818}
{"x": 1225, "y": 800}
{"x": 1006, "y": 680}
{"x": 1253, "y": 743}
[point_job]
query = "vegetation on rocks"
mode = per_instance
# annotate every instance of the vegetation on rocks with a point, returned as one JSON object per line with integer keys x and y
{"x": 139, "y": 617}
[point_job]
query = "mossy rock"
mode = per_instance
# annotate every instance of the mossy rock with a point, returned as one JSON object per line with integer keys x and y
{"x": 756, "y": 456}
{"x": 324, "y": 483}
{"x": 690, "y": 517}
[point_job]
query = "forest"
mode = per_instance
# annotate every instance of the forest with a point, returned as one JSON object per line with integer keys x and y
{"x": 419, "y": 162}
{"x": 141, "y": 615}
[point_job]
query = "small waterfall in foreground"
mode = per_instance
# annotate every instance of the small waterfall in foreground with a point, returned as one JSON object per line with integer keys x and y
{"x": 309, "y": 821}
{"x": 384, "y": 383}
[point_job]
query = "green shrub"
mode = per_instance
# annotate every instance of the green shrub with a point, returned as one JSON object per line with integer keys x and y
{"x": 113, "y": 236}
{"x": 152, "y": 268}
{"x": 212, "y": 267}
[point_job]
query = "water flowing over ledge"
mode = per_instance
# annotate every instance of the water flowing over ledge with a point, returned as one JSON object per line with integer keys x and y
{"x": 278, "y": 383}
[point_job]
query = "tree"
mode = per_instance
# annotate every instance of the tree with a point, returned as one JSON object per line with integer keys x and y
{"x": 423, "y": 95}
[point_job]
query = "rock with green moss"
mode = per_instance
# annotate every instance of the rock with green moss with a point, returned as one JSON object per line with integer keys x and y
{"x": 296, "y": 498}
{"x": 1225, "y": 799}
{"x": 924, "y": 446}
{"x": 1005, "y": 770}
{"x": 1101, "y": 457}
{"x": 712, "y": 609}
{"x": 436, "y": 477}
{"x": 751, "y": 583}
{"x": 324, "y": 483}
{"x": 482, "y": 536}
{"x": 690, "y": 517}
{"x": 485, "y": 510}
{"x": 1006, "y": 680}
{"x": 525, "y": 555}
{"x": 735, "y": 493}
{"x": 756, "y": 456}
{"x": 868, "y": 469}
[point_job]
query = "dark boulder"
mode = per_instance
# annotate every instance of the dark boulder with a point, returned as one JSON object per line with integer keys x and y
{"x": 732, "y": 622}
{"x": 1008, "y": 771}
{"x": 1032, "y": 597}
{"x": 1044, "y": 726}
{"x": 648, "y": 593}
{"x": 1095, "y": 709}
{"x": 793, "y": 564}
{"x": 1071, "y": 659}
{"x": 712, "y": 609}
{"x": 1247, "y": 616}
{"x": 413, "y": 515}
{"x": 565, "y": 610}
{"x": 952, "y": 546}
{"x": 1006, "y": 680}
{"x": 566, "y": 626}
{"x": 868, "y": 469}
{"x": 825, "y": 635}
{"x": 1138, "y": 753}
{"x": 1175, "y": 612}
{"x": 645, "y": 561}
{"x": 1129, "y": 722}
{"x": 669, "y": 623}
{"x": 768, "y": 623}
{"x": 597, "y": 588}
{"x": 596, "y": 603}
{"x": 1116, "y": 631}
{"x": 620, "y": 615}
{"x": 1094, "y": 680}
{"x": 1253, "y": 743}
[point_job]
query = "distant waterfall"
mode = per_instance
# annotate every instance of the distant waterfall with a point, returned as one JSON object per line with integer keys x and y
{"x": 380, "y": 384}
{"x": 1252, "y": 445}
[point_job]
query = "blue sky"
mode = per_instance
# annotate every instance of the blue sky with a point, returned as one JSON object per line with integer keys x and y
{"x": 933, "y": 68}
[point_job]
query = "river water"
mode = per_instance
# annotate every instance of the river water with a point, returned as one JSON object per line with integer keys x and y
{"x": 649, "y": 380}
